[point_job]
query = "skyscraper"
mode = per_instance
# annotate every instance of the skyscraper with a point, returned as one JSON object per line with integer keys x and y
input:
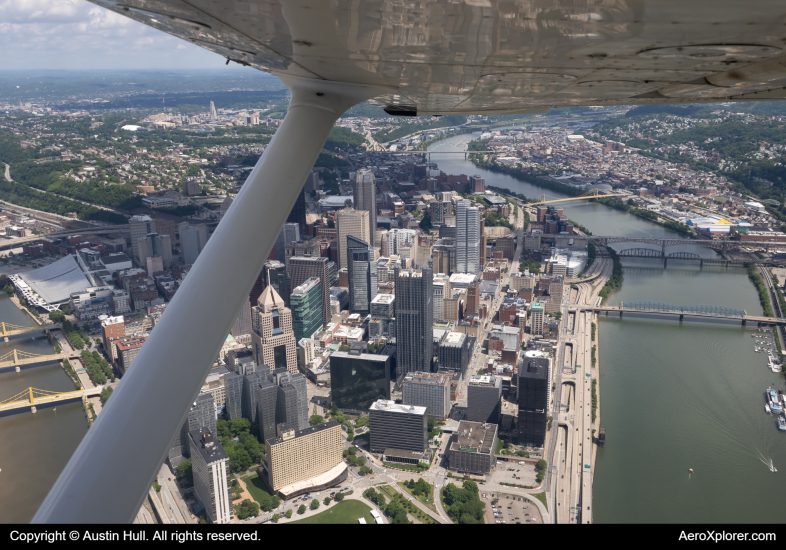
{"x": 306, "y": 305}
{"x": 441, "y": 291}
{"x": 193, "y": 239}
{"x": 362, "y": 274}
{"x": 298, "y": 213}
{"x": 242, "y": 324}
{"x": 213, "y": 114}
{"x": 274, "y": 341}
{"x": 414, "y": 320}
{"x": 210, "y": 467}
{"x": 350, "y": 222}
{"x": 484, "y": 399}
{"x": 154, "y": 245}
{"x": 536, "y": 315}
{"x": 234, "y": 390}
{"x": 249, "y": 398}
{"x": 267, "y": 407}
{"x": 365, "y": 198}
{"x": 201, "y": 414}
{"x": 273, "y": 273}
{"x": 400, "y": 242}
{"x": 290, "y": 232}
{"x": 534, "y": 393}
{"x": 302, "y": 268}
{"x": 467, "y": 238}
{"x": 140, "y": 227}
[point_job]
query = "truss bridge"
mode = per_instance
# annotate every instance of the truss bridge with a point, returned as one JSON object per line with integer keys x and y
{"x": 664, "y": 308}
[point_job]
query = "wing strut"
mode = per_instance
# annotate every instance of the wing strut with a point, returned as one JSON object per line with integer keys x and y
{"x": 113, "y": 468}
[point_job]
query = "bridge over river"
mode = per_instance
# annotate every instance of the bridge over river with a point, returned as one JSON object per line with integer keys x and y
{"x": 664, "y": 308}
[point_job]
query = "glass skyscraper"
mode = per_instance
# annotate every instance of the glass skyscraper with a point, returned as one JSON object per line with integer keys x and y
{"x": 362, "y": 274}
{"x": 359, "y": 379}
{"x": 306, "y": 305}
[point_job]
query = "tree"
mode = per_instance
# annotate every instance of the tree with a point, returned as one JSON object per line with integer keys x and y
{"x": 326, "y": 501}
{"x": 315, "y": 419}
{"x": 425, "y": 223}
{"x": 288, "y": 514}
{"x": 105, "y": 393}
{"x": 247, "y": 509}
{"x": 331, "y": 224}
{"x": 373, "y": 496}
{"x": 301, "y": 509}
{"x": 314, "y": 504}
{"x": 364, "y": 470}
{"x": 339, "y": 497}
{"x": 9, "y": 290}
{"x": 275, "y": 518}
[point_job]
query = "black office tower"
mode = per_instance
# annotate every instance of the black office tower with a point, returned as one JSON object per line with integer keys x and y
{"x": 533, "y": 403}
{"x": 298, "y": 213}
{"x": 414, "y": 320}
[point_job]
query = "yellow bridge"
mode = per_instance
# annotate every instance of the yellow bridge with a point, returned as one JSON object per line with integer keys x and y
{"x": 591, "y": 194}
{"x": 32, "y": 397}
{"x": 12, "y": 330}
{"x": 17, "y": 358}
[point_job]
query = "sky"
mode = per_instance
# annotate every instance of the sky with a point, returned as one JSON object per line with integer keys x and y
{"x": 75, "y": 34}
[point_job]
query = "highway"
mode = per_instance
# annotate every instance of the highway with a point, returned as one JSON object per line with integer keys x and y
{"x": 571, "y": 438}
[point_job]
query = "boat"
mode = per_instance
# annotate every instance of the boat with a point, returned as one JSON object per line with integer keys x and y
{"x": 767, "y": 408}
{"x": 772, "y": 400}
{"x": 781, "y": 424}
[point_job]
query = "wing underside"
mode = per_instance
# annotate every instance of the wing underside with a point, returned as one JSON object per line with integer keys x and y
{"x": 485, "y": 56}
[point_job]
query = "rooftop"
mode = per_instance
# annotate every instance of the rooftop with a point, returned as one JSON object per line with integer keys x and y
{"x": 300, "y": 433}
{"x": 485, "y": 380}
{"x": 392, "y": 406}
{"x": 474, "y": 437}
{"x": 454, "y": 338}
{"x": 383, "y": 299}
{"x": 210, "y": 452}
{"x": 429, "y": 378}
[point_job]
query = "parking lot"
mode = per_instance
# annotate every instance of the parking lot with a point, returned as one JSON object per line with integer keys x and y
{"x": 511, "y": 509}
{"x": 516, "y": 474}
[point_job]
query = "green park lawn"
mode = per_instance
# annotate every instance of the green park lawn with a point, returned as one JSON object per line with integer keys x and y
{"x": 345, "y": 512}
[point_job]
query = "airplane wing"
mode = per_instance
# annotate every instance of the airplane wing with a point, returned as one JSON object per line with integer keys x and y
{"x": 494, "y": 56}
{"x": 411, "y": 57}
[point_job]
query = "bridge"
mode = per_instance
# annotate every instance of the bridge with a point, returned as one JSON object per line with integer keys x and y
{"x": 14, "y": 243}
{"x": 9, "y": 329}
{"x": 664, "y": 308}
{"x": 591, "y": 194}
{"x": 690, "y": 256}
{"x": 33, "y": 398}
{"x": 17, "y": 358}
{"x": 721, "y": 246}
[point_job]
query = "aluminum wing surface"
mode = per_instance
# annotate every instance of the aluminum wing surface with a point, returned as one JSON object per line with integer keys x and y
{"x": 493, "y": 56}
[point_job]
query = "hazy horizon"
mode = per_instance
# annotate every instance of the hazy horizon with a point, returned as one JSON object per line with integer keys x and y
{"x": 77, "y": 35}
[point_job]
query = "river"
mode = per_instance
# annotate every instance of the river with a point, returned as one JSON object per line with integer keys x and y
{"x": 36, "y": 447}
{"x": 673, "y": 395}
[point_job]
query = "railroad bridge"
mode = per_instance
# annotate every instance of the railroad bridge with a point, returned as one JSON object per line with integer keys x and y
{"x": 690, "y": 256}
{"x": 720, "y": 246}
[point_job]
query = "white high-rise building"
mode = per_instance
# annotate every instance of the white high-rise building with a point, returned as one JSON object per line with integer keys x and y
{"x": 193, "y": 239}
{"x": 210, "y": 465}
{"x": 400, "y": 242}
{"x": 213, "y": 114}
{"x": 140, "y": 227}
{"x": 441, "y": 291}
{"x": 350, "y": 222}
{"x": 467, "y": 238}
{"x": 365, "y": 198}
